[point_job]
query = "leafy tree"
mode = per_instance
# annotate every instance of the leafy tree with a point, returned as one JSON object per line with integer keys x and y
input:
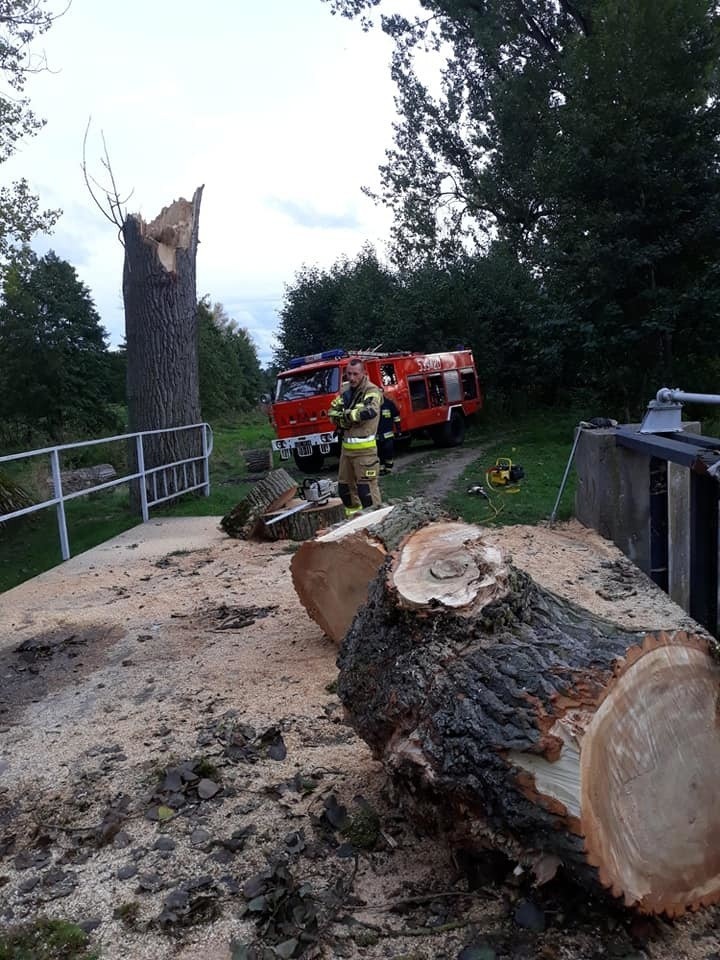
{"x": 583, "y": 135}
{"x": 53, "y": 375}
{"x": 308, "y": 315}
{"x": 21, "y": 21}
{"x": 363, "y": 319}
{"x": 632, "y": 238}
{"x": 116, "y": 374}
{"x": 343, "y": 306}
{"x": 230, "y": 376}
{"x": 489, "y": 303}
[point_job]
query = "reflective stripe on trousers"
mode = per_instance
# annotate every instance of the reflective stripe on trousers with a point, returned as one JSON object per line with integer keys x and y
{"x": 361, "y": 443}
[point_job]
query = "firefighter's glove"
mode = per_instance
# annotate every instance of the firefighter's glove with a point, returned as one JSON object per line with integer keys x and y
{"x": 354, "y": 415}
{"x": 340, "y": 420}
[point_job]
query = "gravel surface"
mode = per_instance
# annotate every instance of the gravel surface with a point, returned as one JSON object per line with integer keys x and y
{"x": 169, "y": 733}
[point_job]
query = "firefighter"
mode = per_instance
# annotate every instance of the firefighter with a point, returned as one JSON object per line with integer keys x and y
{"x": 388, "y": 425}
{"x": 355, "y": 414}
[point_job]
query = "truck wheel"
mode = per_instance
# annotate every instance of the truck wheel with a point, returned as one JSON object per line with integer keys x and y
{"x": 310, "y": 464}
{"x": 451, "y": 433}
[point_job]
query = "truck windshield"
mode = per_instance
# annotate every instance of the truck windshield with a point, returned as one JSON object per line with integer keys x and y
{"x": 309, "y": 383}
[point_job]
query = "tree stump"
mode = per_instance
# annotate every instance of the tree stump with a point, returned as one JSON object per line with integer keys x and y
{"x": 271, "y": 493}
{"x": 508, "y": 717}
{"x": 331, "y": 573}
{"x": 304, "y": 524}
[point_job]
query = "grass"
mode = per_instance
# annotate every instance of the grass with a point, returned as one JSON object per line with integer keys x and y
{"x": 540, "y": 442}
{"x": 45, "y": 940}
{"x": 30, "y": 546}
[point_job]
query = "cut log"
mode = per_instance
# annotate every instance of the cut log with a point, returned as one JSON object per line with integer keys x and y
{"x": 258, "y": 461}
{"x": 508, "y": 717}
{"x": 331, "y": 573}
{"x": 304, "y": 524}
{"x": 271, "y": 493}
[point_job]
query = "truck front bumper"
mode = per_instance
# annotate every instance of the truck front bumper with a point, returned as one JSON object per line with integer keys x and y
{"x": 304, "y": 446}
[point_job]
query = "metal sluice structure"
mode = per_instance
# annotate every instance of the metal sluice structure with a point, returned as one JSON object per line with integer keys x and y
{"x": 156, "y": 484}
{"x": 662, "y": 501}
{"x": 699, "y": 454}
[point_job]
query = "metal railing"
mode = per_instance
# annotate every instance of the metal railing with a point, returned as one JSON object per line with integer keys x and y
{"x": 156, "y": 484}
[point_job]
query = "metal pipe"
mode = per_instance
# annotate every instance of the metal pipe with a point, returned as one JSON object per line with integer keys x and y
{"x": 578, "y": 431}
{"x": 57, "y": 490}
{"x": 140, "y": 456}
{"x": 671, "y": 395}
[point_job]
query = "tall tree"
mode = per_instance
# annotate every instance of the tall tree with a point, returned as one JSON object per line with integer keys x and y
{"x": 577, "y": 132}
{"x": 632, "y": 237}
{"x": 53, "y": 374}
{"x": 343, "y": 306}
{"x": 308, "y": 315}
{"x": 230, "y": 375}
{"x": 21, "y": 21}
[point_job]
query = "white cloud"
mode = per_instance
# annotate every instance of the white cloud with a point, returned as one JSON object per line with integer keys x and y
{"x": 280, "y": 109}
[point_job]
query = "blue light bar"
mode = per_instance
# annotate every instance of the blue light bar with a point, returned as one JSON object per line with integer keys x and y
{"x": 314, "y": 357}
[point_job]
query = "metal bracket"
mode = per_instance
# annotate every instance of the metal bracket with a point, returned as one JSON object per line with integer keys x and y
{"x": 662, "y": 417}
{"x": 664, "y": 413}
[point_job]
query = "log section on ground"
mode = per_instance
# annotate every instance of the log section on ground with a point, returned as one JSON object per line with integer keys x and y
{"x": 331, "y": 573}
{"x": 269, "y": 494}
{"x": 259, "y": 460}
{"x": 508, "y": 717}
{"x": 304, "y": 524}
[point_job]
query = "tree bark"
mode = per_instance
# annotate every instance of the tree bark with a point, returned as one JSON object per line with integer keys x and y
{"x": 304, "y": 524}
{"x": 508, "y": 717}
{"x": 331, "y": 573}
{"x": 258, "y": 461}
{"x": 271, "y": 493}
{"x": 159, "y": 292}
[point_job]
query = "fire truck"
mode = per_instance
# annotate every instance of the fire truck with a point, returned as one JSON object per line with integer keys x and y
{"x": 434, "y": 392}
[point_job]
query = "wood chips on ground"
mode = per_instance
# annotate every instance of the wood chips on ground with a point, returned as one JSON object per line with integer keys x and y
{"x": 175, "y": 648}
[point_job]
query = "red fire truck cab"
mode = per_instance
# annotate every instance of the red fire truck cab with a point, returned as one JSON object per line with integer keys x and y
{"x": 434, "y": 393}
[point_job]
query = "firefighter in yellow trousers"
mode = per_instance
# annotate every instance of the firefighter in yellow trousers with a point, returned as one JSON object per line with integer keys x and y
{"x": 355, "y": 415}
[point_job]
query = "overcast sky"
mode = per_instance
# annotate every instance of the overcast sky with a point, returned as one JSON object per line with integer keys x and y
{"x": 280, "y": 109}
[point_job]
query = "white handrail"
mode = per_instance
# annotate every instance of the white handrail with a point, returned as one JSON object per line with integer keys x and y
{"x": 59, "y": 498}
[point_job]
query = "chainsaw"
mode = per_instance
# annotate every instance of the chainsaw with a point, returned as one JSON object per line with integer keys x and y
{"x": 315, "y": 493}
{"x": 504, "y": 473}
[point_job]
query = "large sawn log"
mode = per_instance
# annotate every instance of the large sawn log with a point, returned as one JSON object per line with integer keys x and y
{"x": 508, "y": 717}
{"x": 271, "y": 493}
{"x": 331, "y": 573}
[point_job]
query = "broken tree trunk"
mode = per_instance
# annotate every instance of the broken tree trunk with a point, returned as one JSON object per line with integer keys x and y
{"x": 331, "y": 573}
{"x": 161, "y": 327}
{"x": 508, "y": 717}
{"x": 271, "y": 493}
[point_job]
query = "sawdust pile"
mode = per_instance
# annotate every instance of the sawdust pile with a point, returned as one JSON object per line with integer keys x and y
{"x": 174, "y": 758}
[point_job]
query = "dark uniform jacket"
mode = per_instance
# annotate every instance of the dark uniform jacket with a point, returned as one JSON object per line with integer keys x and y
{"x": 389, "y": 419}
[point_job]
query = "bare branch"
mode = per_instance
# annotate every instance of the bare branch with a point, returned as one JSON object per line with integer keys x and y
{"x": 112, "y": 207}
